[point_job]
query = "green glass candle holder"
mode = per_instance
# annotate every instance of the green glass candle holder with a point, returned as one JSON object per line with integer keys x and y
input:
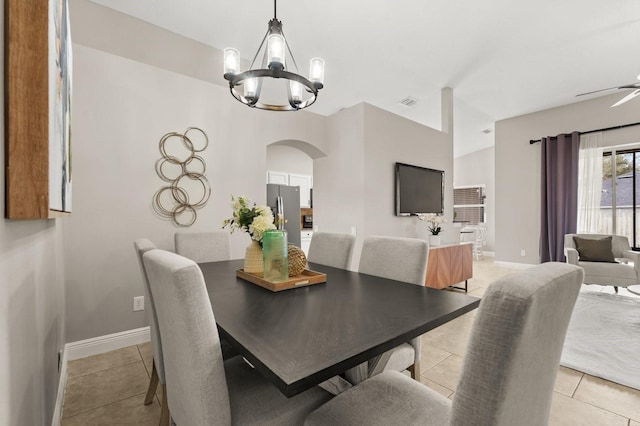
{"x": 275, "y": 256}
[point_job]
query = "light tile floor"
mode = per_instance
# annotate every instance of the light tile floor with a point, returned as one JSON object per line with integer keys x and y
{"x": 109, "y": 389}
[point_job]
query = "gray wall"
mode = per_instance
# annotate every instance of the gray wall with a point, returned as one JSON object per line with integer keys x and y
{"x": 31, "y": 311}
{"x": 121, "y": 109}
{"x": 388, "y": 139}
{"x": 117, "y": 124}
{"x": 340, "y": 203}
{"x": 518, "y": 165}
{"x": 478, "y": 168}
{"x": 105, "y": 29}
{"x": 363, "y": 143}
{"x": 288, "y": 159}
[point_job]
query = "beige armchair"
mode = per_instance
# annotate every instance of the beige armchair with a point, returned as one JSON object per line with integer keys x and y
{"x": 623, "y": 273}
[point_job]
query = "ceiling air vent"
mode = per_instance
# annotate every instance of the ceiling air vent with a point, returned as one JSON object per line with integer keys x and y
{"x": 409, "y": 101}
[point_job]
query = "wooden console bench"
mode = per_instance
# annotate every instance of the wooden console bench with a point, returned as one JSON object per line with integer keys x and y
{"x": 449, "y": 264}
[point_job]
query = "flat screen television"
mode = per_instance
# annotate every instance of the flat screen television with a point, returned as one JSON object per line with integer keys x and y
{"x": 418, "y": 190}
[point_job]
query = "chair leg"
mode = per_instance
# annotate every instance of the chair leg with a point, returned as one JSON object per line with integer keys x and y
{"x": 153, "y": 385}
{"x": 165, "y": 416}
{"x": 415, "y": 371}
{"x": 616, "y": 289}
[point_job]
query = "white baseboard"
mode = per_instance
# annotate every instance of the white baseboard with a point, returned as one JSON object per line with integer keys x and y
{"x": 62, "y": 385}
{"x": 93, "y": 346}
{"x": 110, "y": 342}
{"x": 512, "y": 265}
{"x": 489, "y": 253}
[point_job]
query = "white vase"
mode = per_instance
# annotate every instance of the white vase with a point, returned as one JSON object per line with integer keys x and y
{"x": 434, "y": 240}
{"x": 253, "y": 263}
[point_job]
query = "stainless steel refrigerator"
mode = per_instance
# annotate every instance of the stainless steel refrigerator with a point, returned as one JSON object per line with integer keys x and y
{"x": 286, "y": 200}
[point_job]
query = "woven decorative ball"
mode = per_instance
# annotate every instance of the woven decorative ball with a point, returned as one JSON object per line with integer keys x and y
{"x": 297, "y": 260}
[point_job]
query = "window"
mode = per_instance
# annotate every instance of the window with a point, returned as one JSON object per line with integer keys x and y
{"x": 468, "y": 204}
{"x": 619, "y": 205}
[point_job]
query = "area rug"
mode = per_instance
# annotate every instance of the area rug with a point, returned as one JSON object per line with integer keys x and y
{"x": 603, "y": 338}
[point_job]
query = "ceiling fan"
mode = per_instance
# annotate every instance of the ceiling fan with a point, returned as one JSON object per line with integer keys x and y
{"x": 627, "y": 98}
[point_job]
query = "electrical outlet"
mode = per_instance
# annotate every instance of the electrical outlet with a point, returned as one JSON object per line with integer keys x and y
{"x": 523, "y": 253}
{"x": 138, "y": 303}
{"x": 353, "y": 231}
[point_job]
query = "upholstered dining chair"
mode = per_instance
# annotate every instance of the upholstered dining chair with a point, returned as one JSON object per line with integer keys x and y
{"x": 203, "y": 247}
{"x": 202, "y": 388}
{"x": 400, "y": 259}
{"x": 142, "y": 246}
{"x": 331, "y": 249}
{"x": 509, "y": 368}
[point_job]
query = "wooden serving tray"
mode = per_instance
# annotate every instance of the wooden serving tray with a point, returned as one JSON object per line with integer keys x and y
{"x": 306, "y": 278}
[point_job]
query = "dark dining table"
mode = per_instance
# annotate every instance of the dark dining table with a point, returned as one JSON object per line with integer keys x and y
{"x": 300, "y": 337}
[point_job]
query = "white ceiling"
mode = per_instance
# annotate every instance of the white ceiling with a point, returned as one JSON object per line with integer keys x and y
{"x": 503, "y": 58}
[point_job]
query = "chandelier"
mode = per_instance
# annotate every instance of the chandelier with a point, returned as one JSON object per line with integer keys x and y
{"x": 246, "y": 87}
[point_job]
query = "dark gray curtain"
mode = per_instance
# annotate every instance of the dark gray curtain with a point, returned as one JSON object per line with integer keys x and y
{"x": 559, "y": 194}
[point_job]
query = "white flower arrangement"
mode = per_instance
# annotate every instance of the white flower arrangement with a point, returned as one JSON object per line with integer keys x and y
{"x": 261, "y": 223}
{"x": 249, "y": 218}
{"x": 434, "y": 221}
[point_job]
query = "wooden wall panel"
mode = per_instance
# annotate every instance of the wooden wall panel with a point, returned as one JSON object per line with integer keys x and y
{"x": 26, "y": 109}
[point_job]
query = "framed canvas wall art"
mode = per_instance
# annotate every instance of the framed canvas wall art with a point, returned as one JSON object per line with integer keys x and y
{"x": 38, "y": 78}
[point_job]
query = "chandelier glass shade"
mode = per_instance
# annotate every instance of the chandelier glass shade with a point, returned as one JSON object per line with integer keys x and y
{"x": 277, "y": 63}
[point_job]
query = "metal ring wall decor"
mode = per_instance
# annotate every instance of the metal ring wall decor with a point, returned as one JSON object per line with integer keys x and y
{"x": 176, "y": 171}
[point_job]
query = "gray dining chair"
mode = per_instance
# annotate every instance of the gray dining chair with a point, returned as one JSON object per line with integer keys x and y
{"x": 142, "y": 246}
{"x": 203, "y": 247}
{"x": 509, "y": 369}
{"x": 202, "y": 388}
{"x": 400, "y": 259}
{"x": 331, "y": 249}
